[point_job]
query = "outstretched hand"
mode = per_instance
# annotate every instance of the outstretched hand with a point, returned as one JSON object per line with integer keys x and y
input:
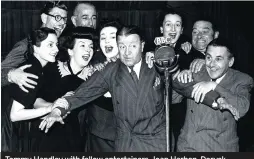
{"x": 50, "y": 119}
{"x": 22, "y": 79}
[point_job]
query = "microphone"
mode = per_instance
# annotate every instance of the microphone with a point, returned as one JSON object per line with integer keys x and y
{"x": 164, "y": 56}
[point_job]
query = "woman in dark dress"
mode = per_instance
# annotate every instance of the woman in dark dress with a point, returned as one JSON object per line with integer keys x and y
{"x": 101, "y": 137}
{"x": 65, "y": 75}
{"x": 18, "y": 106}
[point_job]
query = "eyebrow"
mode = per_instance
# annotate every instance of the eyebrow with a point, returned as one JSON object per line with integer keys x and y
{"x": 171, "y": 21}
{"x": 86, "y": 15}
{"x": 208, "y": 54}
{"x": 201, "y": 28}
{"x": 109, "y": 33}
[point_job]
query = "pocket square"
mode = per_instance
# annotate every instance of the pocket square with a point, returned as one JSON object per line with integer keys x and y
{"x": 157, "y": 82}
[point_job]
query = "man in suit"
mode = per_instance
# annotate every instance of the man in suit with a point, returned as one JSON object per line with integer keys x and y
{"x": 137, "y": 93}
{"x": 210, "y": 129}
{"x": 54, "y": 16}
{"x": 138, "y": 103}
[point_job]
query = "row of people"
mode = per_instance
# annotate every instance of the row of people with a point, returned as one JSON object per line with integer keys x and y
{"x": 101, "y": 140}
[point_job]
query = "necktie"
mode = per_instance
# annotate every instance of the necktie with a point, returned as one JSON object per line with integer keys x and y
{"x": 134, "y": 76}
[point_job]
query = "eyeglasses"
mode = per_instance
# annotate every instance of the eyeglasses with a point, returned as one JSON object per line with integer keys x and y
{"x": 58, "y": 18}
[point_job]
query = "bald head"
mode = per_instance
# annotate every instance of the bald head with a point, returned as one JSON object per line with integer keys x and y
{"x": 84, "y": 14}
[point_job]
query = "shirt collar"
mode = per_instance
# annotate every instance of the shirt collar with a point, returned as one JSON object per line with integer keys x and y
{"x": 218, "y": 80}
{"x": 136, "y": 68}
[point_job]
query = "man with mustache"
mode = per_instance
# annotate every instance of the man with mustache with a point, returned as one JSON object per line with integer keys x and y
{"x": 54, "y": 16}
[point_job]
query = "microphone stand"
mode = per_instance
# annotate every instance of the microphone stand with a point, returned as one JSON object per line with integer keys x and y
{"x": 168, "y": 98}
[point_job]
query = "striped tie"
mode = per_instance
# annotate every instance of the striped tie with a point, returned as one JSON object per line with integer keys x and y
{"x": 134, "y": 76}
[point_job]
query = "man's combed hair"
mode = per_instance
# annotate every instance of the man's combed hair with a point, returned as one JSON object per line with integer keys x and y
{"x": 221, "y": 42}
{"x": 75, "y": 10}
{"x": 52, "y": 4}
{"x": 131, "y": 29}
{"x": 214, "y": 23}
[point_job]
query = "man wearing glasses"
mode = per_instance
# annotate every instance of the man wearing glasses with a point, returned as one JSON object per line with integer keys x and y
{"x": 54, "y": 16}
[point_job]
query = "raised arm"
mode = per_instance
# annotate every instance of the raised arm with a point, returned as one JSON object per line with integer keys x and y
{"x": 18, "y": 112}
{"x": 12, "y": 74}
{"x": 239, "y": 97}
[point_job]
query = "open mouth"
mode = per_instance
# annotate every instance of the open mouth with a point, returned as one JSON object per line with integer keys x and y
{"x": 172, "y": 35}
{"x": 86, "y": 57}
{"x": 108, "y": 49}
{"x": 201, "y": 41}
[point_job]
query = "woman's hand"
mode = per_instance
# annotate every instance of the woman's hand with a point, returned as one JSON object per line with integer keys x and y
{"x": 86, "y": 72}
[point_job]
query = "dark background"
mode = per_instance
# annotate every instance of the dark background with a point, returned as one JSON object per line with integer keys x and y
{"x": 235, "y": 19}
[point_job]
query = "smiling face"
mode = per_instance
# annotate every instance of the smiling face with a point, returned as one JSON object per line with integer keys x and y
{"x": 130, "y": 49}
{"x": 48, "y": 50}
{"x": 108, "y": 43}
{"x": 172, "y": 27}
{"x": 50, "y": 22}
{"x": 202, "y": 35}
{"x": 218, "y": 61}
{"x": 85, "y": 15}
{"x": 82, "y": 52}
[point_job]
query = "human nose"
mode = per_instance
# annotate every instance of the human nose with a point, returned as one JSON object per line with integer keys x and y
{"x": 106, "y": 40}
{"x": 173, "y": 28}
{"x": 127, "y": 51}
{"x": 90, "y": 22}
{"x": 56, "y": 49}
{"x": 199, "y": 35}
{"x": 211, "y": 63}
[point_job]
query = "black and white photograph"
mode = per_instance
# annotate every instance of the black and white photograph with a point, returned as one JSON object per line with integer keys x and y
{"x": 127, "y": 76}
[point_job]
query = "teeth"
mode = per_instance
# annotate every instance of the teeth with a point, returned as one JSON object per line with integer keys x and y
{"x": 201, "y": 41}
{"x": 108, "y": 49}
{"x": 172, "y": 35}
{"x": 86, "y": 57}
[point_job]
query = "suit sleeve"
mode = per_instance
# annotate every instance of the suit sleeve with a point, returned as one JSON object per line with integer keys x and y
{"x": 89, "y": 90}
{"x": 13, "y": 60}
{"x": 185, "y": 89}
{"x": 240, "y": 97}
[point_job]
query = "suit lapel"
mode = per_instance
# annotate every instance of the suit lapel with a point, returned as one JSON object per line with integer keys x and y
{"x": 227, "y": 78}
{"x": 124, "y": 79}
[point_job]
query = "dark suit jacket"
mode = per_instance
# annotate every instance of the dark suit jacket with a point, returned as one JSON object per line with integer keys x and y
{"x": 13, "y": 59}
{"x": 140, "y": 114}
{"x": 210, "y": 130}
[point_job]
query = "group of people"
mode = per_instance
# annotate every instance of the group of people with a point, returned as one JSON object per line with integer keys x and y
{"x": 103, "y": 90}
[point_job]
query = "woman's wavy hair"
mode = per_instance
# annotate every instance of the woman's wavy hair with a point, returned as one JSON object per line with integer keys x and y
{"x": 109, "y": 23}
{"x": 98, "y": 56}
{"x": 68, "y": 41}
{"x": 35, "y": 38}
